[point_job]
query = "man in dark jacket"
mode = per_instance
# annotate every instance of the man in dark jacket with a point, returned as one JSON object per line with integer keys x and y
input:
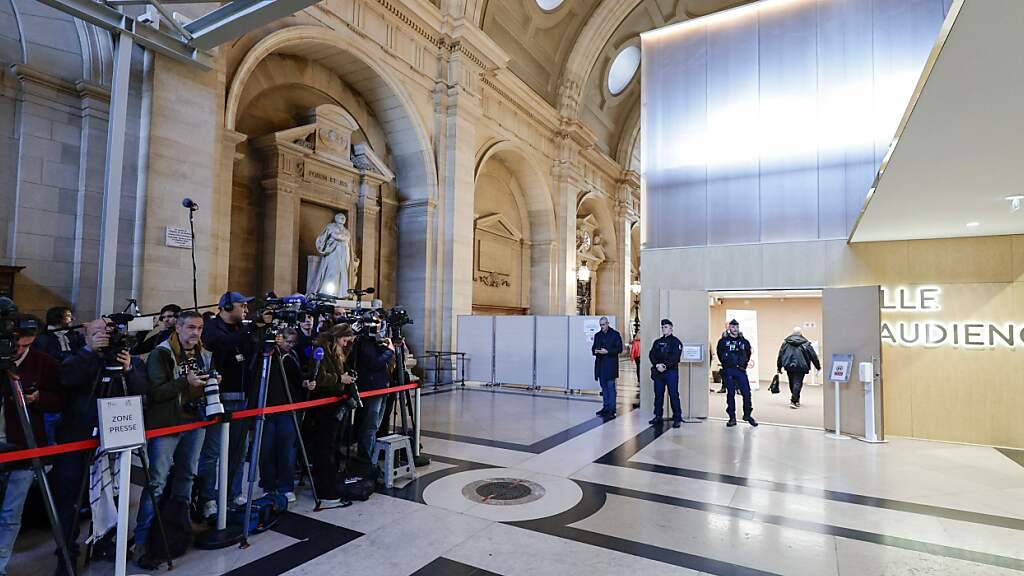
{"x": 233, "y": 346}
{"x": 285, "y": 385}
{"x": 373, "y": 360}
{"x": 57, "y": 340}
{"x": 664, "y": 356}
{"x": 734, "y": 354}
{"x": 176, "y": 370}
{"x": 81, "y": 384}
{"x": 606, "y": 349}
{"x": 796, "y": 356}
{"x": 147, "y": 341}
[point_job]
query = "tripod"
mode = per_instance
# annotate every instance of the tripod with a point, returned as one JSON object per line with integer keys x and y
{"x": 270, "y": 352}
{"x": 37, "y": 466}
{"x": 109, "y": 379}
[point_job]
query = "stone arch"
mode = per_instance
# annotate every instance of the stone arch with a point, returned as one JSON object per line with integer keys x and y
{"x": 50, "y": 40}
{"x": 408, "y": 144}
{"x": 537, "y": 213}
{"x": 604, "y": 286}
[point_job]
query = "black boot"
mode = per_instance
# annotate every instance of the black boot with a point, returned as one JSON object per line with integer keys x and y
{"x": 750, "y": 420}
{"x": 731, "y": 422}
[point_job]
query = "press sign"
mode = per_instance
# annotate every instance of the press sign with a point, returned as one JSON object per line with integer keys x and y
{"x": 121, "y": 424}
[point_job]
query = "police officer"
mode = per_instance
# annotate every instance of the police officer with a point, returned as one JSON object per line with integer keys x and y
{"x": 734, "y": 354}
{"x": 606, "y": 349}
{"x": 664, "y": 355}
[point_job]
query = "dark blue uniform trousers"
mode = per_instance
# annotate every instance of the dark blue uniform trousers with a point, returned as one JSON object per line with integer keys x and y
{"x": 669, "y": 378}
{"x": 736, "y": 379}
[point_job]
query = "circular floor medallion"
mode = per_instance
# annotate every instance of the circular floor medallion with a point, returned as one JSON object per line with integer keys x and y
{"x": 503, "y": 491}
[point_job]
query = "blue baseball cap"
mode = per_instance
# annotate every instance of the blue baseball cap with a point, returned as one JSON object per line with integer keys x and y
{"x": 232, "y": 298}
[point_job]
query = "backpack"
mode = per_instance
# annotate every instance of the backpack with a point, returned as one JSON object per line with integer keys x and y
{"x": 356, "y": 489}
{"x": 266, "y": 511}
{"x": 177, "y": 525}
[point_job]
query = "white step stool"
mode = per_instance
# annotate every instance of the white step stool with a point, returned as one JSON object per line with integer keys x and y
{"x": 390, "y": 446}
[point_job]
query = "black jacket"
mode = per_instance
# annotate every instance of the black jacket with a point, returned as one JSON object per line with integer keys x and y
{"x": 372, "y": 365}
{"x": 233, "y": 348}
{"x": 797, "y": 355}
{"x": 276, "y": 394}
{"x": 607, "y": 365}
{"x": 666, "y": 350}
{"x": 146, "y": 345}
{"x": 49, "y": 343}
{"x": 734, "y": 352}
{"x": 78, "y": 375}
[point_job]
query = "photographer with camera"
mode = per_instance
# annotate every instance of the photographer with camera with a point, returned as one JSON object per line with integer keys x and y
{"x": 331, "y": 379}
{"x": 231, "y": 340}
{"x": 59, "y": 341}
{"x": 178, "y": 370}
{"x": 147, "y": 341}
{"x": 39, "y": 376}
{"x": 80, "y": 379}
{"x": 373, "y": 359}
{"x": 278, "y": 454}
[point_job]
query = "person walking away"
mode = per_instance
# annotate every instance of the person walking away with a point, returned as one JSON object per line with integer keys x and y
{"x": 734, "y": 354}
{"x": 634, "y": 354}
{"x": 606, "y": 349}
{"x": 796, "y": 355}
{"x": 664, "y": 356}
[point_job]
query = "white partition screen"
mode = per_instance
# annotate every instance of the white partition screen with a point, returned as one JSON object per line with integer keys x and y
{"x": 513, "y": 350}
{"x": 552, "y": 346}
{"x": 476, "y": 339}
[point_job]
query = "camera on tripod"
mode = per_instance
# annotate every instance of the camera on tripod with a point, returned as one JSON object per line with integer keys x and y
{"x": 120, "y": 339}
{"x": 8, "y": 331}
{"x": 285, "y": 312}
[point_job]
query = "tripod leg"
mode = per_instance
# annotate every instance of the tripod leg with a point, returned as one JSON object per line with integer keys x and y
{"x": 144, "y": 458}
{"x": 257, "y": 443}
{"x": 298, "y": 433}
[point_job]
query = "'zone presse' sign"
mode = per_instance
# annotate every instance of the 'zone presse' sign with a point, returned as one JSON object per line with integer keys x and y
{"x": 926, "y": 300}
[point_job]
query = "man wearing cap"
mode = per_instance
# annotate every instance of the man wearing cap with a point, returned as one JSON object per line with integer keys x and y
{"x": 606, "y": 349}
{"x": 664, "y": 355}
{"x": 734, "y": 354}
{"x": 233, "y": 347}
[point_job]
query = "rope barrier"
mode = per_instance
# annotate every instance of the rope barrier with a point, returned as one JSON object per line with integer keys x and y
{"x": 93, "y": 443}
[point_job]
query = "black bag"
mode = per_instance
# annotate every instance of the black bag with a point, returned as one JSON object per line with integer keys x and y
{"x": 266, "y": 511}
{"x": 774, "y": 388}
{"x": 178, "y": 526}
{"x": 355, "y": 489}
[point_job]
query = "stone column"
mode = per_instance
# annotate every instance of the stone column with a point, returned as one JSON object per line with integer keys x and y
{"x": 368, "y": 222}
{"x": 417, "y": 270}
{"x": 569, "y": 181}
{"x": 220, "y": 235}
{"x": 625, "y": 217}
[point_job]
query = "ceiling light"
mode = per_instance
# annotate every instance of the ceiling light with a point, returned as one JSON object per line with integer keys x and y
{"x": 973, "y": 224}
{"x": 1015, "y": 201}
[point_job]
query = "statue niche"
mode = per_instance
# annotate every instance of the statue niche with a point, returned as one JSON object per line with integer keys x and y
{"x": 322, "y": 206}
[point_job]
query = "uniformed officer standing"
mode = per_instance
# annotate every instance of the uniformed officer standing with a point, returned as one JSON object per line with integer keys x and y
{"x": 734, "y": 353}
{"x": 665, "y": 354}
{"x": 606, "y": 349}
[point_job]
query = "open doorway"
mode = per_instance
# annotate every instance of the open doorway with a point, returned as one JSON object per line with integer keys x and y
{"x": 767, "y": 318}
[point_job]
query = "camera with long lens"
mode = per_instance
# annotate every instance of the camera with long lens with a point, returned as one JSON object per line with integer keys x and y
{"x": 120, "y": 340}
{"x": 8, "y": 331}
{"x": 208, "y": 404}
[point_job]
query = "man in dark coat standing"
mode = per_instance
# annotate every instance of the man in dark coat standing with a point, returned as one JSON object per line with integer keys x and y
{"x": 734, "y": 353}
{"x": 606, "y": 349}
{"x": 796, "y": 356}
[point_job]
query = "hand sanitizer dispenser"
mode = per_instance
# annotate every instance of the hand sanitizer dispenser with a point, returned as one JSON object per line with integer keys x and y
{"x": 866, "y": 373}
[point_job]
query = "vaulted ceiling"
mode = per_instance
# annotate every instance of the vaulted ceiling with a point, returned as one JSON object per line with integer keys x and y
{"x": 540, "y": 43}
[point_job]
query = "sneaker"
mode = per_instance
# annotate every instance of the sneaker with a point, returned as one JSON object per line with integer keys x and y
{"x": 750, "y": 420}
{"x": 794, "y": 405}
{"x": 601, "y": 412}
{"x": 329, "y": 503}
{"x": 797, "y": 404}
{"x": 608, "y": 416}
{"x": 655, "y": 420}
{"x": 676, "y": 423}
{"x": 209, "y": 509}
{"x": 239, "y": 500}
{"x": 731, "y": 422}
{"x": 290, "y": 497}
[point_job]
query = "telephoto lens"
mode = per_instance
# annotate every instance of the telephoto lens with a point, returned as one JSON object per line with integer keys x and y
{"x": 212, "y": 392}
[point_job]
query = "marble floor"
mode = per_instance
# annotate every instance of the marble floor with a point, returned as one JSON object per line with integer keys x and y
{"x": 523, "y": 484}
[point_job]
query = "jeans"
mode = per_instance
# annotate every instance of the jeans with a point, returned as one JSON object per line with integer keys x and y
{"x": 608, "y": 395}
{"x": 736, "y": 379}
{"x": 210, "y": 456}
{"x": 277, "y": 454}
{"x": 14, "y": 486}
{"x": 177, "y": 451}
{"x": 796, "y": 384}
{"x": 669, "y": 378}
{"x": 374, "y": 411}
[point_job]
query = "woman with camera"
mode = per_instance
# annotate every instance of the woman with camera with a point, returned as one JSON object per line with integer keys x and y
{"x": 331, "y": 379}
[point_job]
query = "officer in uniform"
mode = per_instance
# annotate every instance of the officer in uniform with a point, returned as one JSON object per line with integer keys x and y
{"x": 665, "y": 353}
{"x": 734, "y": 353}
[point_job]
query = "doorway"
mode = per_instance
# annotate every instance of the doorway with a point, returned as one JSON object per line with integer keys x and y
{"x": 767, "y": 318}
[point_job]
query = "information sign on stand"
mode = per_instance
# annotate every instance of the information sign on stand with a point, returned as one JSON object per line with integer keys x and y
{"x": 693, "y": 353}
{"x": 839, "y": 374}
{"x": 121, "y": 423}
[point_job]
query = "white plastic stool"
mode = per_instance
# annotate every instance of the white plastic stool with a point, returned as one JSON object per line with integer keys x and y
{"x": 391, "y": 446}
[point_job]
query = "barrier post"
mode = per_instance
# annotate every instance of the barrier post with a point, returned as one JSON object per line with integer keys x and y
{"x": 222, "y": 478}
{"x": 416, "y": 425}
{"x": 124, "y": 478}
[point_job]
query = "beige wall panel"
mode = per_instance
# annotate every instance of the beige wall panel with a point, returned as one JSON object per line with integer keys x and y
{"x": 681, "y": 269}
{"x": 734, "y": 267}
{"x": 860, "y": 264}
{"x": 898, "y": 365}
{"x": 960, "y": 260}
{"x": 794, "y": 265}
{"x": 1017, "y": 246}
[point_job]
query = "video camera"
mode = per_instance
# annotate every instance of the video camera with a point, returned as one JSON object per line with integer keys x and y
{"x": 120, "y": 339}
{"x": 286, "y": 311}
{"x": 11, "y": 325}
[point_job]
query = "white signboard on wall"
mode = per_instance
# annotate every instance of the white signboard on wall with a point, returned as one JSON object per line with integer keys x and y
{"x": 176, "y": 237}
{"x": 748, "y": 326}
{"x": 591, "y": 326}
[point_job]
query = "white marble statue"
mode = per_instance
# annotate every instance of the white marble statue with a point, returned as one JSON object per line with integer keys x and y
{"x": 337, "y": 265}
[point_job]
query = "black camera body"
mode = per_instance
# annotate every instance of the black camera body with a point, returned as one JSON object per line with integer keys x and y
{"x": 120, "y": 339}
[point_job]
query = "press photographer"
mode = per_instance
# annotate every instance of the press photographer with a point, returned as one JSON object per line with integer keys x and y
{"x": 38, "y": 374}
{"x": 178, "y": 371}
{"x": 58, "y": 340}
{"x": 331, "y": 378}
{"x": 373, "y": 361}
{"x": 168, "y": 320}
{"x": 278, "y": 453}
{"x": 82, "y": 382}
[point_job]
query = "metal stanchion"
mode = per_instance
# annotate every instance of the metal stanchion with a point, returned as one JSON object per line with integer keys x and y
{"x": 124, "y": 477}
{"x": 221, "y": 536}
